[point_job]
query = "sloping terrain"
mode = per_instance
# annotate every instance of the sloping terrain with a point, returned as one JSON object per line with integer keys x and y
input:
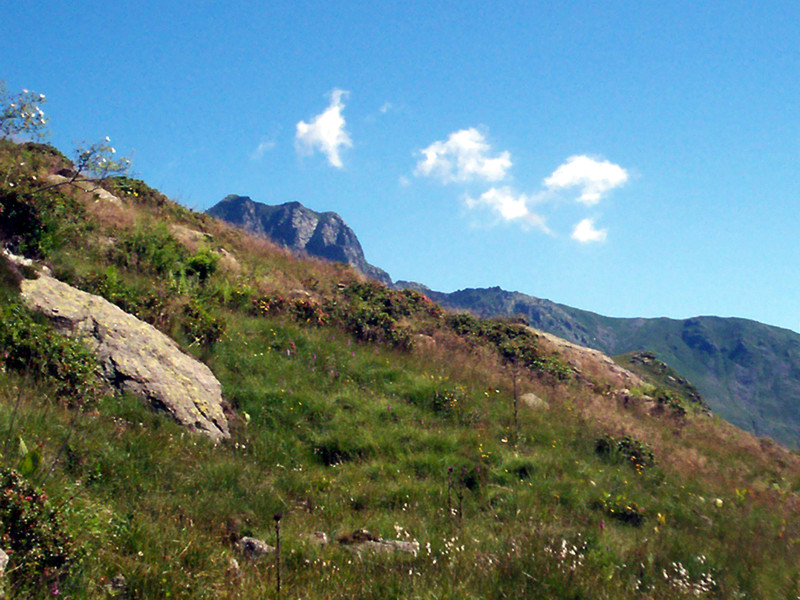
{"x": 748, "y": 372}
{"x": 384, "y": 439}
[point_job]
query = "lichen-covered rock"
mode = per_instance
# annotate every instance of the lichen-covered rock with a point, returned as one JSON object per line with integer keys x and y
{"x": 389, "y": 546}
{"x": 533, "y": 401}
{"x": 134, "y": 355}
{"x": 254, "y": 548}
{"x": 316, "y": 538}
{"x": 362, "y": 540}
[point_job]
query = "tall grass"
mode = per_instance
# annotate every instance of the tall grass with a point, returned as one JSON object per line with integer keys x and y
{"x": 341, "y": 431}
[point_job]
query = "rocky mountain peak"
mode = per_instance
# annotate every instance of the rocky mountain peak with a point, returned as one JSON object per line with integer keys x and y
{"x": 300, "y": 229}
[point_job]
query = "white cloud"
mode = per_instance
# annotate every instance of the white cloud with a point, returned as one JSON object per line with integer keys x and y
{"x": 594, "y": 177}
{"x": 585, "y": 232}
{"x": 463, "y": 157}
{"x": 510, "y": 205}
{"x": 262, "y": 149}
{"x": 387, "y": 106}
{"x": 326, "y": 132}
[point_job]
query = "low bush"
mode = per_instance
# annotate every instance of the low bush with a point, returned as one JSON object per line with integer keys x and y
{"x": 513, "y": 341}
{"x": 29, "y": 345}
{"x": 135, "y": 189}
{"x": 627, "y": 449}
{"x": 151, "y": 248}
{"x": 202, "y": 264}
{"x": 33, "y": 534}
{"x": 200, "y": 327}
{"x": 620, "y": 508}
{"x": 34, "y": 223}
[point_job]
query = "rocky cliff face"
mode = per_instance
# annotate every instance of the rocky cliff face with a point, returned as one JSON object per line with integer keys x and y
{"x": 292, "y": 225}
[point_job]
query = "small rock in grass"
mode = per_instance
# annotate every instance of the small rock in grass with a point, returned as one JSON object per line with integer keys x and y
{"x": 253, "y": 548}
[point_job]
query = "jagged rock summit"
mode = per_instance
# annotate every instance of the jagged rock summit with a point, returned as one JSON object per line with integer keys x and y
{"x": 293, "y": 226}
{"x": 134, "y": 355}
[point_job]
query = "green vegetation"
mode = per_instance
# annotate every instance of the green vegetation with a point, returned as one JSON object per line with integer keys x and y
{"x": 669, "y": 386}
{"x": 732, "y": 361}
{"x": 353, "y": 407}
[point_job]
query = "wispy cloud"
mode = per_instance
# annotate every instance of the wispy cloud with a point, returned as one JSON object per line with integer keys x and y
{"x": 510, "y": 206}
{"x": 326, "y": 132}
{"x": 595, "y": 178}
{"x": 585, "y": 232}
{"x": 262, "y": 148}
{"x": 387, "y": 106}
{"x": 464, "y": 156}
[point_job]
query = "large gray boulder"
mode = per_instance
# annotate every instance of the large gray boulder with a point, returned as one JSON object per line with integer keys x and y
{"x": 134, "y": 355}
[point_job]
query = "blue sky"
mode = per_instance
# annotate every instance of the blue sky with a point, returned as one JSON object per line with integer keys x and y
{"x": 629, "y": 158}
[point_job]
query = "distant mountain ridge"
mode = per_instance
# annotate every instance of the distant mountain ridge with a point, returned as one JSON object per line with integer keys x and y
{"x": 293, "y": 226}
{"x": 748, "y": 372}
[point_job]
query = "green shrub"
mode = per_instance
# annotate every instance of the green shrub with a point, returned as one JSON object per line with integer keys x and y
{"x": 135, "y": 189}
{"x": 626, "y": 448}
{"x": 151, "y": 248}
{"x": 203, "y": 264}
{"x": 30, "y": 346}
{"x": 200, "y": 327}
{"x": 621, "y": 509}
{"x": 41, "y": 552}
{"x": 513, "y": 341}
{"x": 34, "y": 223}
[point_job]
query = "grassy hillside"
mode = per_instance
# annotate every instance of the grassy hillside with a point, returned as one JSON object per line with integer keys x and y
{"x": 353, "y": 407}
{"x": 748, "y": 372}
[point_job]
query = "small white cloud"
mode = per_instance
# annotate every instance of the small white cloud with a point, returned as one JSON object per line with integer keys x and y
{"x": 510, "y": 205}
{"x": 594, "y": 177}
{"x": 326, "y": 132}
{"x": 387, "y": 106}
{"x": 465, "y": 156}
{"x": 585, "y": 232}
{"x": 262, "y": 149}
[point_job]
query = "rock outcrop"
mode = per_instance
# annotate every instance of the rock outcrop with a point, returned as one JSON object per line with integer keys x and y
{"x": 253, "y": 548}
{"x": 134, "y": 355}
{"x": 592, "y": 363}
{"x": 293, "y": 226}
{"x": 87, "y": 185}
{"x": 533, "y": 401}
{"x": 362, "y": 540}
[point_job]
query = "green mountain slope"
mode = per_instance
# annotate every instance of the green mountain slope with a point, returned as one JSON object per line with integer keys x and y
{"x": 748, "y": 372}
{"x": 478, "y": 463}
